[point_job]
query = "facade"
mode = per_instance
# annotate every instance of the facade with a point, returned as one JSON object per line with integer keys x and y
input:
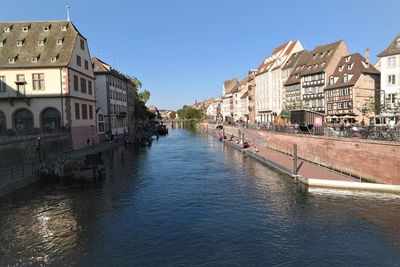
{"x": 112, "y": 97}
{"x": 269, "y": 82}
{"x": 244, "y": 100}
{"x": 291, "y": 73}
{"x": 227, "y": 107}
{"x": 319, "y": 66}
{"x": 46, "y": 80}
{"x": 353, "y": 90}
{"x": 390, "y": 76}
{"x": 251, "y": 90}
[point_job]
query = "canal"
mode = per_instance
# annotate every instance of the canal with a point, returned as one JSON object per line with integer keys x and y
{"x": 190, "y": 201}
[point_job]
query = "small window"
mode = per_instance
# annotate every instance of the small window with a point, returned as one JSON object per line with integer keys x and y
{"x": 349, "y": 67}
{"x": 341, "y": 68}
{"x": 347, "y": 59}
{"x": 11, "y": 60}
{"x": 78, "y": 61}
{"x": 64, "y": 28}
{"x": 41, "y": 42}
{"x": 77, "y": 113}
{"x": 46, "y": 28}
{"x": 346, "y": 78}
{"x": 2, "y": 43}
{"x": 82, "y": 44}
{"x": 76, "y": 83}
{"x": 86, "y": 64}
{"x": 391, "y": 79}
{"x": 20, "y": 42}
{"x": 331, "y": 80}
{"x": 7, "y": 29}
{"x": 25, "y": 28}
{"x": 60, "y": 41}
{"x": 34, "y": 59}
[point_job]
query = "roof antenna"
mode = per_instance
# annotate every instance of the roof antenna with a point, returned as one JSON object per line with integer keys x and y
{"x": 68, "y": 19}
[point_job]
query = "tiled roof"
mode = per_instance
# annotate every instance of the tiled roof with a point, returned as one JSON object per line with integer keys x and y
{"x": 298, "y": 68}
{"x": 293, "y": 59}
{"x": 231, "y": 86}
{"x": 353, "y": 65}
{"x": 100, "y": 66}
{"x": 393, "y": 49}
{"x": 320, "y": 57}
{"x": 44, "y": 40}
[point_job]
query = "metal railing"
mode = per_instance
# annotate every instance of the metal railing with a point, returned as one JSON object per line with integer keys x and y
{"x": 16, "y": 173}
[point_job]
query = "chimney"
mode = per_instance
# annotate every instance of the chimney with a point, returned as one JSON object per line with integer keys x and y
{"x": 367, "y": 55}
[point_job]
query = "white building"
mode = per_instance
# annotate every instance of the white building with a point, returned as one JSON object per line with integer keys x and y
{"x": 46, "y": 80}
{"x": 269, "y": 82}
{"x": 390, "y": 76}
{"x": 227, "y": 107}
{"x": 112, "y": 97}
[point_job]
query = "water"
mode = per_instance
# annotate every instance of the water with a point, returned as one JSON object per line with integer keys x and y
{"x": 190, "y": 201}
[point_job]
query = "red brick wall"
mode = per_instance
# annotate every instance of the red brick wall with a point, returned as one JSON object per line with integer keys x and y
{"x": 372, "y": 160}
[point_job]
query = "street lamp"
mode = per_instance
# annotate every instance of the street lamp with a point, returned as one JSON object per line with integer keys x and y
{"x": 91, "y": 129}
{"x": 38, "y": 150}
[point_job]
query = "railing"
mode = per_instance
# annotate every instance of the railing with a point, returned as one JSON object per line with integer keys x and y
{"x": 17, "y": 136}
{"x": 15, "y": 173}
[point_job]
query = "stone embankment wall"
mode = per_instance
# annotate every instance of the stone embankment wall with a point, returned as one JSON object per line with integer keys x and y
{"x": 376, "y": 161}
{"x": 19, "y": 158}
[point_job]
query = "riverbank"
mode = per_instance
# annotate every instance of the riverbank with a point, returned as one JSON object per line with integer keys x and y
{"x": 307, "y": 172}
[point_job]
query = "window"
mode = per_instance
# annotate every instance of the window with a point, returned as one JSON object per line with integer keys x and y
{"x": 90, "y": 87}
{"x": 2, "y": 43}
{"x": 86, "y": 64}
{"x": 100, "y": 120}
{"x": 77, "y": 113}
{"x": 347, "y": 59}
{"x": 84, "y": 112}
{"x": 59, "y": 41}
{"x": 340, "y": 105}
{"x": 341, "y": 68}
{"x": 349, "y": 67}
{"x": 78, "y": 61}
{"x": 41, "y": 42}
{"x": 331, "y": 80}
{"x": 83, "y": 86}
{"x": 25, "y": 29}
{"x": 391, "y": 79}
{"x": 346, "y": 78}
{"x": 2, "y": 83}
{"x": 46, "y": 28}
{"x": 63, "y": 28}
{"x": 7, "y": 29}
{"x": 53, "y": 59}
{"x": 20, "y": 42}
{"x": 34, "y": 59}
{"x": 391, "y": 98}
{"x": 76, "y": 83}
{"x": 82, "y": 44}
{"x": 91, "y": 112}
{"x": 38, "y": 81}
{"x": 391, "y": 62}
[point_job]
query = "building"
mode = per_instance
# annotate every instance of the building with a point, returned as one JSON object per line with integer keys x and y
{"x": 353, "y": 90}
{"x": 269, "y": 82}
{"x": 244, "y": 100}
{"x": 390, "y": 76}
{"x": 227, "y": 107}
{"x": 319, "y": 65}
{"x": 112, "y": 98}
{"x": 291, "y": 73}
{"x": 46, "y": 80}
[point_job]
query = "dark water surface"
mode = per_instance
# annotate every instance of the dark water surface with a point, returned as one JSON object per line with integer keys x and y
{"x": 190, "y": 201}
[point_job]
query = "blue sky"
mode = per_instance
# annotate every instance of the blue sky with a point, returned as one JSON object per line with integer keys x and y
{"x": 183, "y": 50}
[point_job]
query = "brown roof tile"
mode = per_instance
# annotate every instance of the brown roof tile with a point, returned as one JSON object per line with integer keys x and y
{"x": 392, "y": 49}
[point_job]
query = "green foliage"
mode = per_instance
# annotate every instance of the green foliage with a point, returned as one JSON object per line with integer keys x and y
{"x": 187, "y": 112}
{"x": 144, "y": 96}
{"x": 172, "y": 115}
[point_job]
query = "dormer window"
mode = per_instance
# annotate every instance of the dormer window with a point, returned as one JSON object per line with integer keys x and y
{"x": 34, "y": 59}
{"x": 329, "y": 52}
{"x": 64, "y": 28}
{"x": 323, "y": 64}
{"x": 41, "y": 42}
{"x": 54, "y": 59}
{"x": 350, "y": 66}
{"x": 341, "y": 68}
{"x": 25, "y": 28}
{"x": 7, "y": 29}
{"x": 345, "y": 78}
{"x": 60, "y": 41}
{"x": 20, "y": 42}
{"x": 11, "y": 60}
{"x": 332, "y": 80}
{"x": 46, "y": 28}
{"x": 347, "y": 59}
{"x": 2, "y": 43}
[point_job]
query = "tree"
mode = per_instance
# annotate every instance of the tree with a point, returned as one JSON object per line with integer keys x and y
{"x": 172, "y": 115}
{"x": 187, "y": 112}
{"x": 144, "y": 96}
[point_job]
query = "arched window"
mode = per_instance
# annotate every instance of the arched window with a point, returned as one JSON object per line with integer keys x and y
{"x": 50, "y": 119}
{"x": 3, "y": 125}
{"x": 23, "y": 120}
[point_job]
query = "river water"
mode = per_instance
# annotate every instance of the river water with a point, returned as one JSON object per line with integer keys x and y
{"x": 190, "y": 201}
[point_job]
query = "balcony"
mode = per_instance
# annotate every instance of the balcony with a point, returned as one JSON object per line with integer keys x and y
{"x": 121, "y": 114}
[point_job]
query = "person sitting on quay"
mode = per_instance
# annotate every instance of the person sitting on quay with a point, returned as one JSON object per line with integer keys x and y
{"x": 255, "y": 150}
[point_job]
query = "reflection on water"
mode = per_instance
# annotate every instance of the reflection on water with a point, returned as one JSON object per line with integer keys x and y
{"x": 190, "y": 201}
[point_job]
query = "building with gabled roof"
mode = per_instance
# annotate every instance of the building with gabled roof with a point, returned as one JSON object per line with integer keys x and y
{"x": 230, "y": 89}
{"x": 320, "y": 63}
{"x": 353, "y": 87}
{"x": 46, "y": 80}
{"x": 390, "y": 76}
{"x": 269, "y": 82}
